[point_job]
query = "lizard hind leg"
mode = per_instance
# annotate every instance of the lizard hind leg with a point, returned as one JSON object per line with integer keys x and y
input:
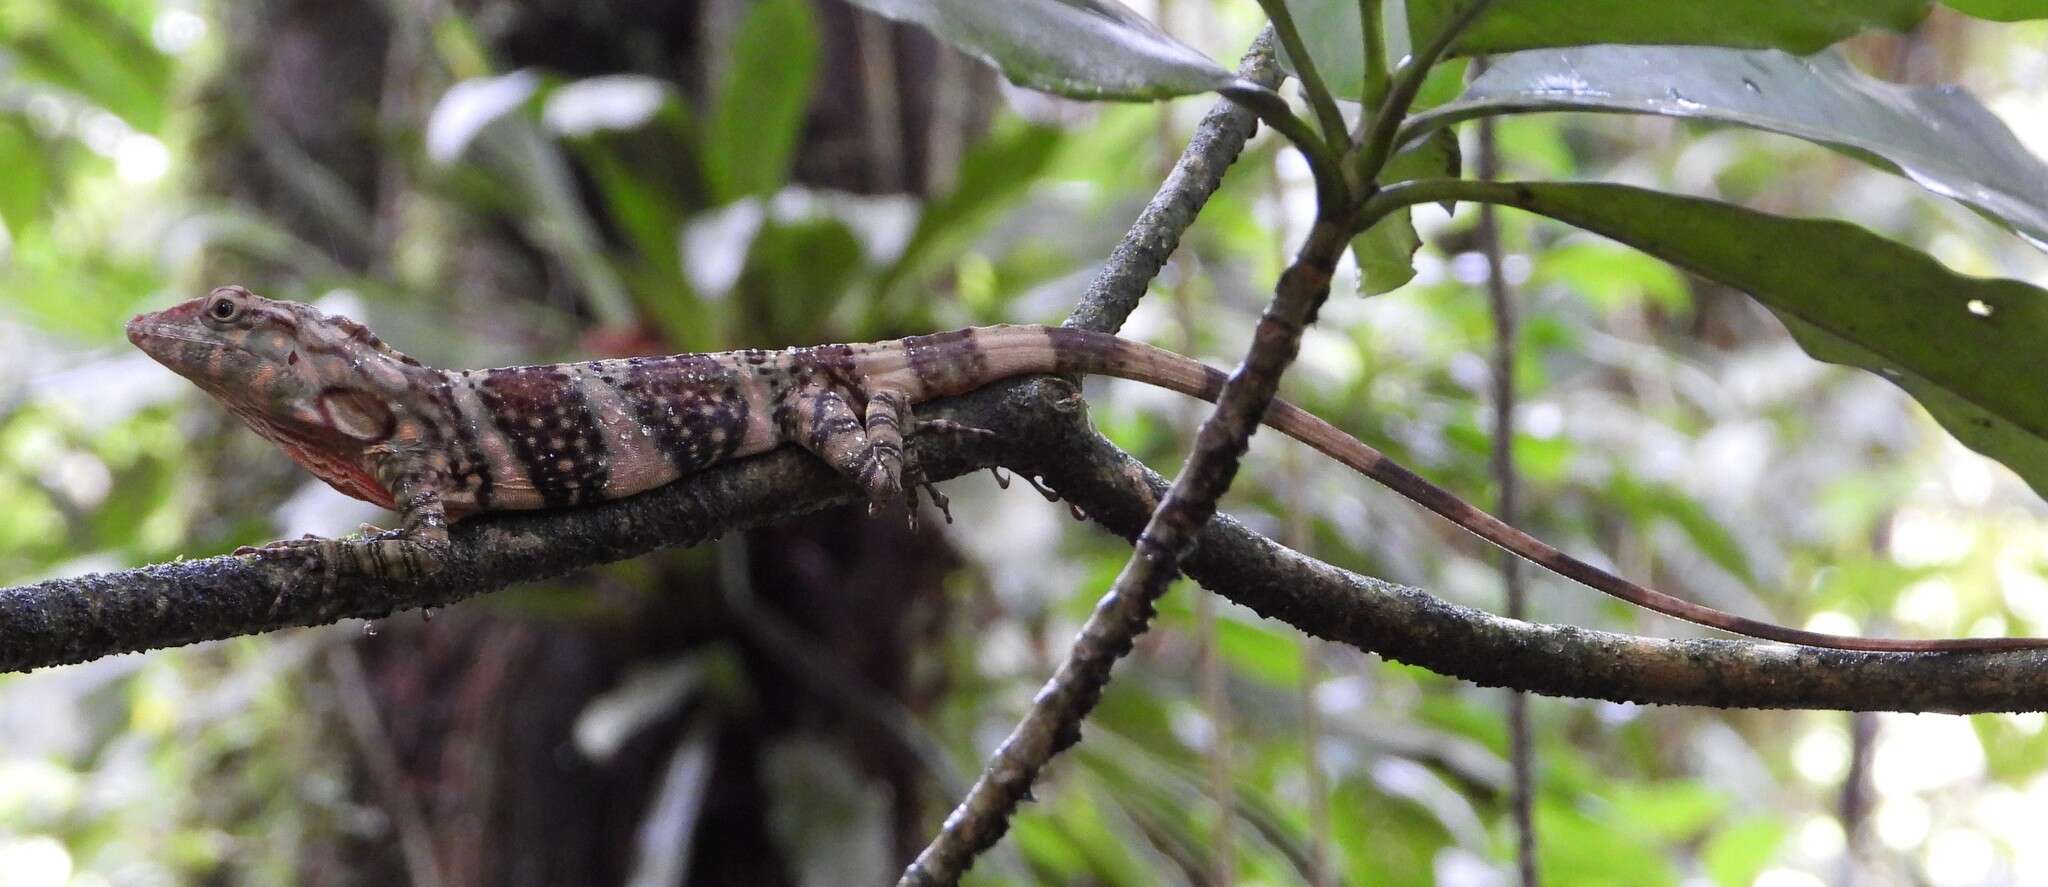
{"x": 823, "y": 421}
{"x": 888, "y": 410}
{"x": 889, "y": 418}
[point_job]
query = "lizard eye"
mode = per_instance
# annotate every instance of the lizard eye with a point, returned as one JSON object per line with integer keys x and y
{"x": 223, "y": 309}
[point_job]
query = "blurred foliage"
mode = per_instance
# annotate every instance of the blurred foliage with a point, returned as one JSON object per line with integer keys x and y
{"x": 1671, "y": 431}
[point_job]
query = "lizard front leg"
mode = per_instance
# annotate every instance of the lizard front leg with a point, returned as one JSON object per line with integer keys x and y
{"x": 415, "y": 550}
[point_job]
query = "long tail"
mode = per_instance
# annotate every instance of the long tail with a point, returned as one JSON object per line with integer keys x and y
{"x": 1077, "y": 351}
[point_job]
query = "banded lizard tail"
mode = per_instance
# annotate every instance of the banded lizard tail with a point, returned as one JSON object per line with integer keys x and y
{"x": 441, "y": 445}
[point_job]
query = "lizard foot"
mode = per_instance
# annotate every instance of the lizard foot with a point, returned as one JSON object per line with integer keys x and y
{"x": 301, "y": 558}
{"x": 939, "y": 499}
{"x": 911, "y": 481}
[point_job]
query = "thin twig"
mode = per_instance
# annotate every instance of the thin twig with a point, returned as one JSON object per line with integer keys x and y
{"x": 983, "y": 815}
{"x": 1300, "y": 538}
{"x": 1218, "y": 139}
{"x": 1053, "y": 722}
{"x": 1520, "y": 749}
{"x": 359, "y": 714}
{"x": 1323, "y": 161}
{"x": 1221, "y": 861}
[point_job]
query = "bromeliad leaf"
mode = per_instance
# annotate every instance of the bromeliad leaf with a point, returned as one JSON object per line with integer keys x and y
{"x": 1967, "y": 348}
{"x": 1801, "y": 26}
{"x": 1940, "y": 137}
{"x": 1084, "y": 49}
{"x": 758, "y": 114}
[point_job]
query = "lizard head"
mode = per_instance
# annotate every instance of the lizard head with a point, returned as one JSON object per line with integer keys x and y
{"x": 323, "y": 387}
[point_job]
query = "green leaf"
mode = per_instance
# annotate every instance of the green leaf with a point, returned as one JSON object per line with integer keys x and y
{"x": 1576, "y": 846}
{"x": 1386, "y": 251}
{"x": 1967, "y": 348}
{"x": 26, "y": 183}
{"x": 1795, "y": 25}
{"x": 1084, "y": 49}
{"x": 2000, "y": 10}
{"x": 1260, "y": 653}
{"x": 100, "y": 53}
{"x": 1650, "y": 501}
{"x": 1669, "y": 811}
{"x": 1736, "y": 855}
{"x": 755, "y": 122}
{"x": 1386, "y": 254}
{"x": 800, "y": 270}
{"x": 1611, "y": 278}
{"x": 1330, "y": 32}
{"x": 1940, "y": 137}
{"x": 997, "y": 170}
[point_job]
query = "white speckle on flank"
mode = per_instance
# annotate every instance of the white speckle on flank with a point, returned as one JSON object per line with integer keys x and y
{"x": 1980, "y": 308}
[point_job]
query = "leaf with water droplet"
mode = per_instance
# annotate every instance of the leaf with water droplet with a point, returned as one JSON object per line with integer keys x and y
{"x": 1942, "y": 139}
{"x": 2001, "y": 10}
{"x": 1085, "y": 49}
{"x": 1796, "y": 25}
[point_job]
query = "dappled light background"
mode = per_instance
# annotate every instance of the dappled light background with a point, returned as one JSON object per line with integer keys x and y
{"x": 503, "y": 181}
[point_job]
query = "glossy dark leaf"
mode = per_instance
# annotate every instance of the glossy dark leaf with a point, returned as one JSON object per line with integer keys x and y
{"x": 1940, "y": 137}
{"x": 2000, "y": 10}
{"x": 1085, "y": 49}
{"x": 1967, "y": 348}
{"x": 1801, "y": 26}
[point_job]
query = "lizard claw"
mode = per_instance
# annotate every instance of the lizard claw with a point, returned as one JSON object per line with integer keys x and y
{"x": 1043, "y": 490}
{"x": 939, "y": 500}
{"x": 913, "y": 480}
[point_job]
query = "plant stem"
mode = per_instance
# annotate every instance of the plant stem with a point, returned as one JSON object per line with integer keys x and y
{"x": 1054, "y": 721}
{"x": 1312, "y": 86}
{"x": 1374, "y": 89}
{"x": 1376, "y": 142}
{"x": 1521, "y": 748}
{"x": 1152, "y": 238}
{"x": 1322, "y": 161}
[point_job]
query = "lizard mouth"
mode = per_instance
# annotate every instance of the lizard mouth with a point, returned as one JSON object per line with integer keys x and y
{"x": 141, "y": 329}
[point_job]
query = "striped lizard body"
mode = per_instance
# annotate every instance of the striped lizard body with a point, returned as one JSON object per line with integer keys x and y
{"x": 442, "y": 445}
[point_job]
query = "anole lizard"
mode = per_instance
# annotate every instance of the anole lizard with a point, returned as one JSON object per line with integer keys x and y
{"x": 441, "y": 445}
